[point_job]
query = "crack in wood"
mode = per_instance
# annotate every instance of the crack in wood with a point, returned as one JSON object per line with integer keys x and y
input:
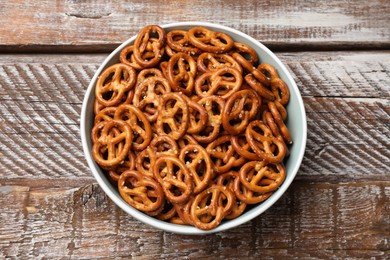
{"x": 88, "y": 15}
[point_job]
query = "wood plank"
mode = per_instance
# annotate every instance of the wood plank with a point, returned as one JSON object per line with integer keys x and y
{"x": 310, "y": 220}
{"x": 92, "y": 26}
{"x": 41, "y": 97}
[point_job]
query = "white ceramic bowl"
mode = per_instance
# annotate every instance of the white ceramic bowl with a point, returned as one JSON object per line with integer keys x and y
{"x": 296, "y": 123}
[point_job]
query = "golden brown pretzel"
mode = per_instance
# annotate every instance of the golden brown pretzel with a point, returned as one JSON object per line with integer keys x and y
{"x": 242, "y": 147}
{"x": 227, "y": 180}
{"x": 148, "y": 49}
{"x": 142, "y": 131}
{"x": 211, "y": 205}
{"x": 178, "y": 41}
{"x": 181, "y": 72}
{"x": 184, "y": 211}
{"x": 279, "y": 115}
{"x": 173, "y": 115}
{"x": 111, "y": 142}
{"x": 246, "y": 195}
{"x": 280, "y": 91}
{"x": 207, "y": 62}
{"x": 240, "y": 108}
{"x": 140, "y": 191}
{"x": 174, "y": 177}
{"x": 113, "y": 83}
{"x": 215, "y": 83}
{"x": 268, "y": 71}
{"x": 105, "y": 114}
{"x": 261, "y": 178}
{"x": 214, "y": 106}
{"x": 126, "y": 56}
{"x": 148, "y": 73}
{"x": 147, "y": 96}
{"x": 128, "y": 164}
{"x": 261, "y": 140}
{"x": 210, "y": 41}
{"x": 246, "y": 52}
{"x": 223, "y": 155}
{"x": 198, "y": 116}
{"x": 144, "y": 162}
{"x": 255, "y": 84}
{"x": 199, "y": 164}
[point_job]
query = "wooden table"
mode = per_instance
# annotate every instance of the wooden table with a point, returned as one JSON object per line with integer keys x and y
{"x": 337, "y": 207}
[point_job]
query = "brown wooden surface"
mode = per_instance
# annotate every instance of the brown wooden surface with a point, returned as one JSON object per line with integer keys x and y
{"x": 99, "y": 25}
{"x": 338, "y": 206}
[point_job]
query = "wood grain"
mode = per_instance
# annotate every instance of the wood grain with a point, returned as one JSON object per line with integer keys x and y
{"x": 90, "y": 26}
{"x": 310, "y": 220}
{"x": 347, "y": 102}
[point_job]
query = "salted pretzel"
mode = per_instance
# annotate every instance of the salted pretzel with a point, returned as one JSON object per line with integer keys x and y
{"x": 240, "y": 108}
{"x": 210, "y": 41}
{"x": 148, "y": 73}
{"x": 142, "y": 131}
{"x": 105, "y": 114}
{"x": 279, "y": 115}
{"x": 126, "y": 56}
{"x": 150, "y": 40}
{"x": 245, "y": 51}
{"x": 110, "y": 142}
{"x": 262, "y": 178}
{"x": 248, "y": 196}
{"x": 144, "y": 162}
{"x": 190, "y": 126}
{"x": 215, "y": 83}
{"x": 223, "y": 154}
{"x": 164, "y": 145}
{"x": 211, "y": 206}
{"x": 243, "y": 148}
{"x": 198, "y": 116}
{"x": 128, "y": 164}
{"x": 214, "y": 106}
{"x": 113, "y": 83}
{"x": 255, "y": 84}
{"x": 184, "y": 212}
{"x": 174, "y": 177}
{"x": 280, "y": 91}
{"x": 147, "y": 95}
{"x": 178, "y": 41}
{"x": 181, "y": 72}
{"x": 207, "y": 62}
{"x": 199, "y": 164}
{"x": 261, "y": 140}
{"x": 268, "y": 71}
{"x": 227, "y": 180}
{"x": 173, "y": 116}
{"x": 140, "y": 191}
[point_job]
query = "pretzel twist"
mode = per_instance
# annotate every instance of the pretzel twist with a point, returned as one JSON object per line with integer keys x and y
{"x": 140, "y": 191}
{"x": 115, "y": 143}
{"x": 181, "y": 72}
{"x": 210, "y": 41}
{"x": 240, "y": 108}
{"x": 113, "y": 83}
{"x": 174, "y": 178}
{"x": 211, "y": 205}
{"x": 261, "y": 140}
{"x": 148, "y": 50}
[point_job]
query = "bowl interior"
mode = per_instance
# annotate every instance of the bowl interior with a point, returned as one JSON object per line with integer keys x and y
{"x": 296, "y": 123}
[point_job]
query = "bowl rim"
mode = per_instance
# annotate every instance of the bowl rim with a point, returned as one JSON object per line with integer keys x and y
{"x": 180, "y": 229}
